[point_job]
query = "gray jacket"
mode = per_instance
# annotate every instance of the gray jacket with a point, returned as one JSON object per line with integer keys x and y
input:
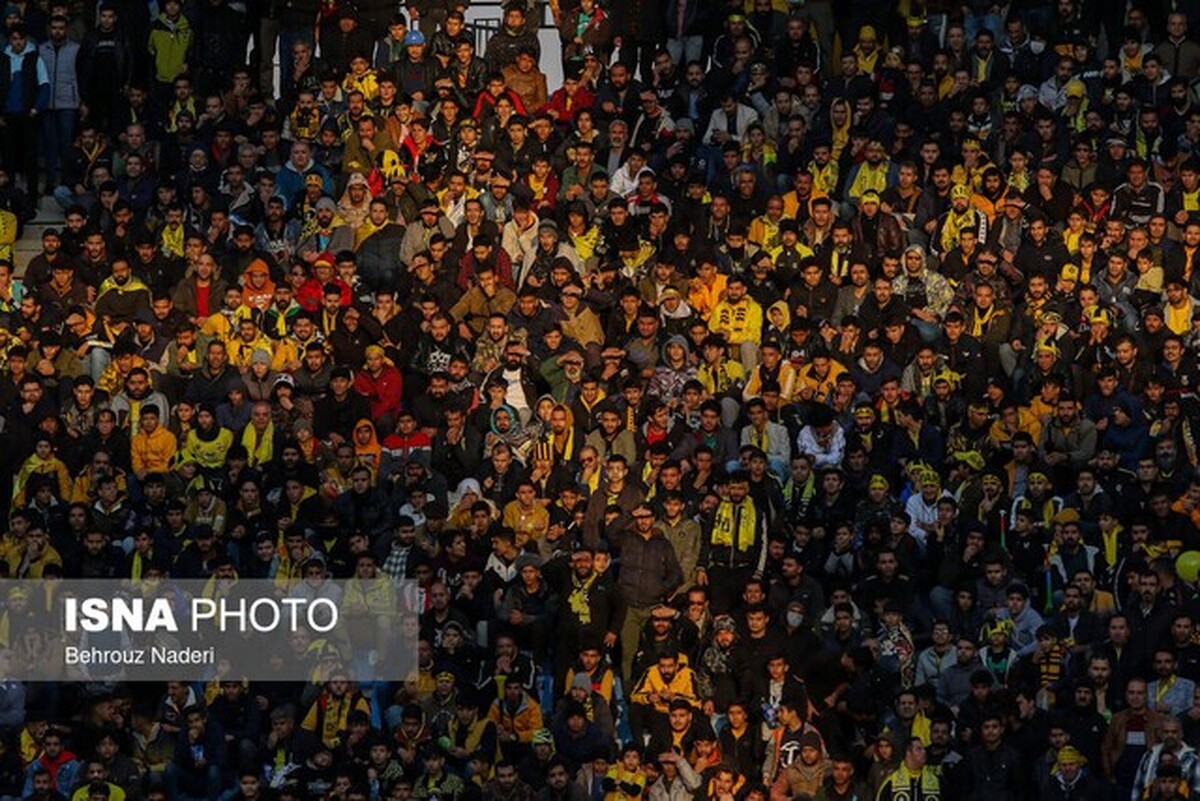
{"x": 60, "y": 66}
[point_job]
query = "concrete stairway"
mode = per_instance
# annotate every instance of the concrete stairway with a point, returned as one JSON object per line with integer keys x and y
{"x": 30, "y": 244}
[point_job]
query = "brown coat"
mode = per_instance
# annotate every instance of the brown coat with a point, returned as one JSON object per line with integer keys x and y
{"x": 1113, "y": 744}
{"x": 531, "y": 86}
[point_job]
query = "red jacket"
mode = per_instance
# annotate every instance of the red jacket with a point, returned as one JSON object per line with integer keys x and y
{"x": 566, "y": 107}
{"x": 469, "y": 266}
{"x": 312, "y": 292}
{"x": 384, "y": 392}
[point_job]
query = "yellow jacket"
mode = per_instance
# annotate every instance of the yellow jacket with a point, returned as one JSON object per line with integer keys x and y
{"x": 821, "y": 388}
{"x": 682, "y": 685}
{"x": 740, "y": 322}
{"x": 8, "y": 234}
{"x": 34, "y": 466}
{"x": 16, "y": 558}
{"x": 153, "y": 452}
{"x": 1026, "y": 421}
{"x": 241, "y": 351}
{"x": 787, "y": 383}
{"x": 584, "y": 327}
{"x": 703, "y": 299}
{"x": 82, "y": 491}
{"x": 112, "y": 380}
{"x": 523, "y": 723}
{"x": 209, "y": 453}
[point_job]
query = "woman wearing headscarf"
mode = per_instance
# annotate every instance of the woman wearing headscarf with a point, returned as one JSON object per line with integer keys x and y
{"x": 506, "y": 427}
{"x": 367, "y": 450}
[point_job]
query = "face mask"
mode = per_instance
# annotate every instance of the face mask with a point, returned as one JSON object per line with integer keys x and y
{"x": 794, "y": 619}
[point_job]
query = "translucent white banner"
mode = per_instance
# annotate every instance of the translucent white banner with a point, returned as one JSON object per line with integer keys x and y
{"x": 254, "y": 629}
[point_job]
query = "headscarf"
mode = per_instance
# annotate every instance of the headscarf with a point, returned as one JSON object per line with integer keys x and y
{"x": 371, "y": 453}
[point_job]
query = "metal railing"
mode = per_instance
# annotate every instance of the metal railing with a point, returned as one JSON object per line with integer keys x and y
{"x": 485, "y": 28}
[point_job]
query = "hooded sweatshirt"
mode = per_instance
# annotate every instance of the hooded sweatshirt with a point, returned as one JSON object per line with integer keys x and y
{"x": 169, "y": 44}
{"x": 668, "y": 381}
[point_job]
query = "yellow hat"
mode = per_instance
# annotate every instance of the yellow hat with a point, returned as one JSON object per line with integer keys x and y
{"x": 1100, "y": 316}
{"x": 916, "y": 468}
{"x": 1066, "y": 516}
{"x": 1004, "y": 627}
{"x": 1075, "y": 89}
{"x": 1069, "y": 272}
{"x": 960, "y": 190}
{"x": 949, "y": 376}
{"x": 870, "y": 196}
{"x": 877, "y": 482}
{"x": 866, "y": 34}
{"x": 1046, "y": 345}
{"x": 972, "y": 459}
{"x": 1069, "y": 755}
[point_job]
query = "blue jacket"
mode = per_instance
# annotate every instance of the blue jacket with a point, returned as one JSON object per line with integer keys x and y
{"x": 289, "y": 182}
{"x": 32, "y": 90}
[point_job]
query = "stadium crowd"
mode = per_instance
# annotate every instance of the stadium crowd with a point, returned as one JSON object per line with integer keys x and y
{"x": 797, "y": 402}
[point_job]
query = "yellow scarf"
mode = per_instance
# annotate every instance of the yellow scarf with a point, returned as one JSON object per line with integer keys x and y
{"x": 1179, "y": 320}
{"x": 1019, "y": 180}
{"x": 841, "y": 137}
{"x": 564, "y": 447}
{"x": 260, "y": 448}
{"x": 1111, "y": 544}
{"x": 921, "y": 727}
{"x": 955, "y": 223}
{"x": 824, "y": 178}
{"x": 172, "y": 241}
{"x": 577, "y": 601}
{"x": 981, "y": 321}
{"x": 728, "y": 524}
{"x": 981, "y": 68}
{"x": 538, "y": 186}
{"x": 868, "y": 178}
{"x": 1077, "y": 123}
{"x": 1071, "y": 240}
{"x": 585, "y": 243}
{"x": 1085, "y": 271}
{"x": 762, "y": 440}
{"x": 866, "y": 62}
{"x": 1132, "y": 64}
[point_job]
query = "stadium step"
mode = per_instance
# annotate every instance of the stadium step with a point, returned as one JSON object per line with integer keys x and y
{"x": 30, "y": 244}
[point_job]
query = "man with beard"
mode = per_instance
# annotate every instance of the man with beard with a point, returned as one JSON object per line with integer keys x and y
{"x": 137, "y": 394}
{"x": 590, "y": 609}
{"x": 329, "y": 233}
{"x": 122, "y": 293}
{"x": 276, "y": 235}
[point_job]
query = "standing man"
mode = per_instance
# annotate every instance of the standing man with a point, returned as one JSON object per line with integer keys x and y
{"x": 591, "y": 612}
{"x": 649, "y": 575}
{"x": 25, "y": 87}
{"x": 734, "y": 549}
{"x": 58, "y": 54}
